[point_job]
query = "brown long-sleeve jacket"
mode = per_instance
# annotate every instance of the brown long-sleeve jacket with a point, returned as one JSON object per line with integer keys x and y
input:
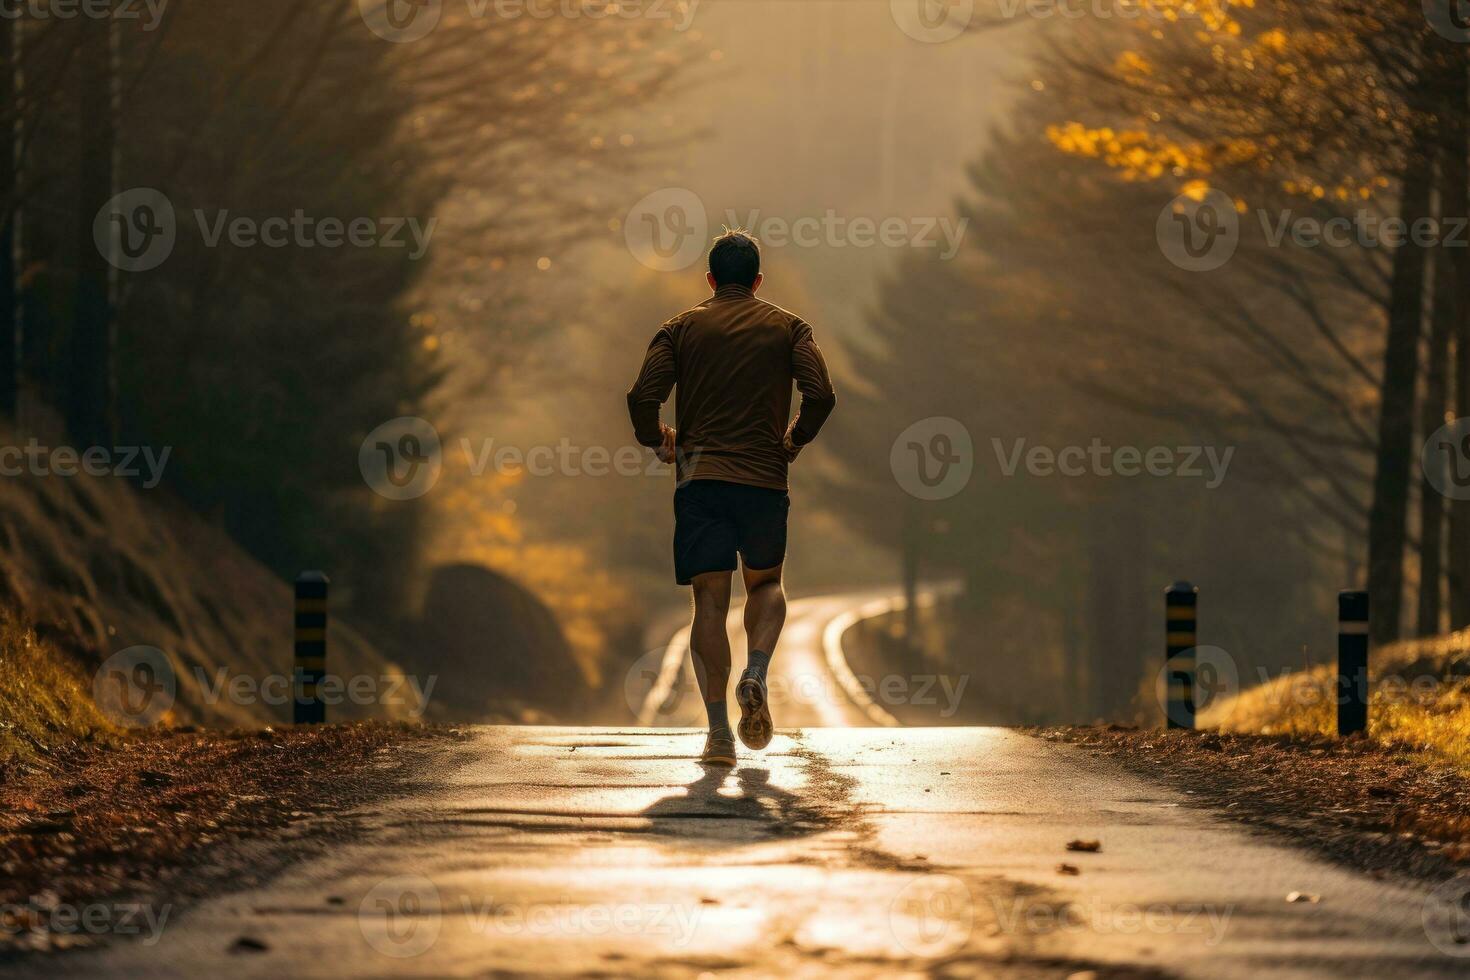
{"x": 733, "y": 358}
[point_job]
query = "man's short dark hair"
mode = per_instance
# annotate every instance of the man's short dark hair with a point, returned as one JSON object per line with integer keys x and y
{"x": 735, "y": 258}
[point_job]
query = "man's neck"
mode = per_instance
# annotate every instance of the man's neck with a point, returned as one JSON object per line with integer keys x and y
{"x": 731, "y": 290}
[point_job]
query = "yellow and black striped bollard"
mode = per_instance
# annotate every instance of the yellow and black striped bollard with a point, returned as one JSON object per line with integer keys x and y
{"x": 1180, "y": 638}
{"x": 311, "y": 648}
{"x": 1352, "y": 662}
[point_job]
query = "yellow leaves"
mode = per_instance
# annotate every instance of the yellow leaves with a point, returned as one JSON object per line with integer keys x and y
{"x": 477, "y": 522}
{"x": 1137, "y": 154}
{"x": 1196, "y": 190}
{"x": 1273, "y": 40}
{"x": 1131, "y": 62}
{"x": 1344, "y": 191}
{"x": 1213, "y": 14}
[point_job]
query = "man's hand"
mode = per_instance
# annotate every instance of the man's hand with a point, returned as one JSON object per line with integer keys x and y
{"x": 665, "y": 450}
{"x": 791, "y": 448}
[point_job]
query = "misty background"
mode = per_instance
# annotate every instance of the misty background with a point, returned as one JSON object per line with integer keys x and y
{"x": 1062, "y": 147}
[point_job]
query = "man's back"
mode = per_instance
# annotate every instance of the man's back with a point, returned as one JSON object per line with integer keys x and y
{"x": 733, "y": 358}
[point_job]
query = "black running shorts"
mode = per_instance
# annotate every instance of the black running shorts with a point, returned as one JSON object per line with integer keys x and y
{"x": 715, "y": 520}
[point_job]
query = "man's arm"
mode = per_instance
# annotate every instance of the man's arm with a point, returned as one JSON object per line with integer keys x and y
{"x": 652, "y": 388}
{"x": 817, "y": 397}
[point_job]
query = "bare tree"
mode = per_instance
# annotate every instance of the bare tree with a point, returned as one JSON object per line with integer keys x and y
{"x": 11, "y": 242}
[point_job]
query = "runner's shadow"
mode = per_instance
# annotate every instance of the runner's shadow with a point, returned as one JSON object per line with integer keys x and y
{"x": 760, "y": 810}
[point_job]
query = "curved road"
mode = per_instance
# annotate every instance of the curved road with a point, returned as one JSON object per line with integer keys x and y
{"x": 811, "y": 685}
{"x": 839, "y": 851}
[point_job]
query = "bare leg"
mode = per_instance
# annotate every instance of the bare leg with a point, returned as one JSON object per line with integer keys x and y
{"x": 765, "y": 609}
{"x": 709, "y": 640}
{"x": 765, "y": 614}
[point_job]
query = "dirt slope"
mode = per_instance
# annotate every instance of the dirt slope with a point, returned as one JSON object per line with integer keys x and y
{"x": 98, "y": 565}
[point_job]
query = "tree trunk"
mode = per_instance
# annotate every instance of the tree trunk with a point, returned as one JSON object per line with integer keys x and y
{"x": 10, "y": 241}
{"x": 1444, "y": 319}
{"x": 89, "y": 412}
{"x": 912, "y": 523}
{"x": 1078, "y": 682}
{"x": 1388, "y": 517}
{"x": 1456, "y": 189}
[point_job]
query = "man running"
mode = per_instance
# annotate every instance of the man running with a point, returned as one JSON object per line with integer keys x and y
{"x": 733, "y": 358}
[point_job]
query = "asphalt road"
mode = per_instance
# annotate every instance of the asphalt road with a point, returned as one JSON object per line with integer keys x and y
{"x": 809, "y": 683}
{"x": 849, "y": 851}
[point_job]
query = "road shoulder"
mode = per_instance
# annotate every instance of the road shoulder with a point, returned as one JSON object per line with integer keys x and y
{"x": 1371, "y": 807}
{"x": 131, "y": 834}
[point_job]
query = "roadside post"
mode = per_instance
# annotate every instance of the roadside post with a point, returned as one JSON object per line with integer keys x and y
{"x": 311, "y": 648}
{"x": 1180, "y": 638}
{"x": 1352, "y": 663}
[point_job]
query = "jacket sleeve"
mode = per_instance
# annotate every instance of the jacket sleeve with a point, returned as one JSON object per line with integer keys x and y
{"x": 810, "y": 373}
{"x": 651, "y": 390}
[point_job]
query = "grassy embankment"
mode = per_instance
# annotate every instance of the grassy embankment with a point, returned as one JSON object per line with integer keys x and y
{"x": 45, "y": 703}
{"x": 1419, "y": 700}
